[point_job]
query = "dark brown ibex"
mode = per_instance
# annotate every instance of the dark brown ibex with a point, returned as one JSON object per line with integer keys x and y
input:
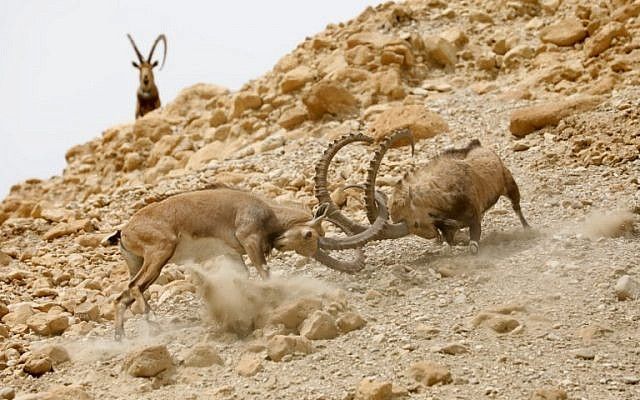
{"x": 148, "y": 98}
{"x": 451, "y": 192}
{"x": 232, "y": 222}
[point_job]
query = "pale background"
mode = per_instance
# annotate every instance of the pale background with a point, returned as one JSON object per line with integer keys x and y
{"x": 66, "y": 74}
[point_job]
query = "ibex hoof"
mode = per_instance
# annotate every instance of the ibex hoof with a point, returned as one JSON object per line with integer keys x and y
{"x": 118, "y": 336}
{"x": 473, "y": 247}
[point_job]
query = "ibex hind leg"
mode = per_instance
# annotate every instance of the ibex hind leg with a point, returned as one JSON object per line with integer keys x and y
{"x": 154, "y": 259}
{"x": 513, "y": 193}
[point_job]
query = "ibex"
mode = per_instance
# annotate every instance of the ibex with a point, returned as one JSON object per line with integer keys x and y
{"x": 235, "y": 222}
{"x": 147, "y": 95}
{"x": 451, "y": 192}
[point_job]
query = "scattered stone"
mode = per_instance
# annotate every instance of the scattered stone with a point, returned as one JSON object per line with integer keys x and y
{"x": 440, "y": 50}
{"x": 627, "y": 288}
{"x": 5, "y": 259}
{"x": 243, "y": 101}
{"x": 202, "y": 356}
{"x": 631, "y": 380}
{"x": 72, "y": 392}
{"x": 565, "y": 32}
{"x": 329, "y": 97}
{"x": 147, "y": 362}
{"x": 4, "y": 310}
{"x": 350, "y": 321}
{"x": 87, "y": 311}
{"x": 38, "y": 365}
{"x": 319, "y": 326}
{"x": 453, "y": 349}
{"x": 7, "y": 393}
{"x": 151, "y": 127}
{"x": 584, "y": 354}
{"x": 528, "y": 119}
{"x": 603, "y": 38}
{"x": 47, "y": 324}
{"x": 549, "y": 393}
{"x": 68, "y": 228}
{"x": 56, "y": 353}
{"x": 291, "y": 315}
{"x": 369, "y": 389}
{"x": 293, "y": 117}
{"x": 281, "y": 345}
{"x": 520, "y": 147}
{"x": 594, "y": 331}
{"x": 426, "y": 331}
{"x": 296, "y": 78}
{"x": 249, "y": 365}
{"x": 429, "y": 374}
{"x": 497, "y": 322}
{"x": 422, "y": 123}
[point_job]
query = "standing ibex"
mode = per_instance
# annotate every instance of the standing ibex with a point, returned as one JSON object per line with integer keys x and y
{"x": 148, "y": 98}
{"x": 451, "y": 192}
{"x": 234, "y": 222}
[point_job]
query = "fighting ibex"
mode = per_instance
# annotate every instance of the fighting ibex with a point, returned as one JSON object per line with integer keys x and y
{"x": 148, "y": 98}
{"x": 451, "y": 192}
{"x": 234, "y": 222}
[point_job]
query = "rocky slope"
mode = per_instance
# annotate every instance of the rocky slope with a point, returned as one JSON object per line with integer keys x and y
{"x": 551, "y": 85}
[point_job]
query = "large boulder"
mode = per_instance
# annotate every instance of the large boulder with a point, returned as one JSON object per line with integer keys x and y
{"x": 422, "y": 123}
{"x": 147, "y": 362}
{"x": 528, "y": 119}
{"x": 565, "y": 32}
{"x": 603, "y": 38}
{"x": 282, "y": 345}
{"x": 331, "y": 98}
{"x": 296, "y": 78}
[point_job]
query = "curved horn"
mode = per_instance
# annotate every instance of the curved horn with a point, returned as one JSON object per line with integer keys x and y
{"x": 153, "y": 48}
{"x": 389, "y": 231}
{"x": 374, "y": 165}
{"x": 334, "y": 215}
{"x": 349, "y": 267}
{"x": 136, "y": 49}
{"x": 359, "y": 239}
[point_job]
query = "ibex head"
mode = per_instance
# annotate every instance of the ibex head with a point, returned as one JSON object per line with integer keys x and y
{"x": 146, "y": 66}
{"x": 303, "y": 238}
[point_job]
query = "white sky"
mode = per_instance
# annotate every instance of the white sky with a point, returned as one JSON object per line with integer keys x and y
{"x": 66, "y": 74}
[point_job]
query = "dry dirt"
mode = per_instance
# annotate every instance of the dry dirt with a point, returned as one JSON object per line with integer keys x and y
{"x": 532, "y": 310}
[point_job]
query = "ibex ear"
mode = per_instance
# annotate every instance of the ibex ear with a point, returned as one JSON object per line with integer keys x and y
{"x": 135, "y": 64}
{"x": 154, "y": 64}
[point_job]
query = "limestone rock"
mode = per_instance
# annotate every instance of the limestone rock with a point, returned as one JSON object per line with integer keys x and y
{"x": 293, "y": 117}
{"x": 319, "y": 326}
{"x": 203, "y": 355}
{"x": 218, "y": 117}
{"x": 68, "y": 228}
{"x": 245, "y": 101}
{"x": 4, "y": 310}
{"x": 499, "y": 323}
{"x": 528, "y": 119}
{"x": 281, "y": 345}
{"x": 331, "y": 98}
{"x": 422, "y": 123}
{"x": 292, "y": 314}
{"x": 5, "y": 259}
{"x": 7, "y": 393}
{"x": 56, "y": 353}
{"x": 602, "y": 39}
{"x": 549, "y": 393}
{"x": 369, "y": 389}
{"x": 38, "y": 365}
{"x": 47, "y": 324}
{"x": 296, "y": 78}
{"x": 147, "y": 362}
{"x": 440, "y": 51}
{"x": 18, "y": 315}
{"x": 87, "y": 311}
{"x": 453, "y": 349}
{"x": 249, "y": 365}
{"x": 72, "y": 392}
{"x": 565, "y": 32}
{"x": 151, "y": 127}
{"x": 350, "y": 321}
{"x": 429, "y": 374}
{"x": 627, "y": 288}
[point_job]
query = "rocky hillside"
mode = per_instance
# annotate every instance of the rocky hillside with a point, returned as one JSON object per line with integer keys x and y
{"x": 551, "y": 85}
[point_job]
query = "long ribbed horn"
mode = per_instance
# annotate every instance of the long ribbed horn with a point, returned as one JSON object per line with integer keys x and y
{"x": 389, "y": 231}
{"x": 153, "y": 48}
{"x": 322, "y": 194}
{"x": 374, "y": 165}
{"x": 347, "y": 266}
{"x": 359, "y": 239}
{"x": 140, "y": 58}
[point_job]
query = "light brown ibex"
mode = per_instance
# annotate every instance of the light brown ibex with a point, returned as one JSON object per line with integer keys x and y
{"x": 234, "y": 222}
{"x": 148, "y": 98}
{"x": 451, "y": 192}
